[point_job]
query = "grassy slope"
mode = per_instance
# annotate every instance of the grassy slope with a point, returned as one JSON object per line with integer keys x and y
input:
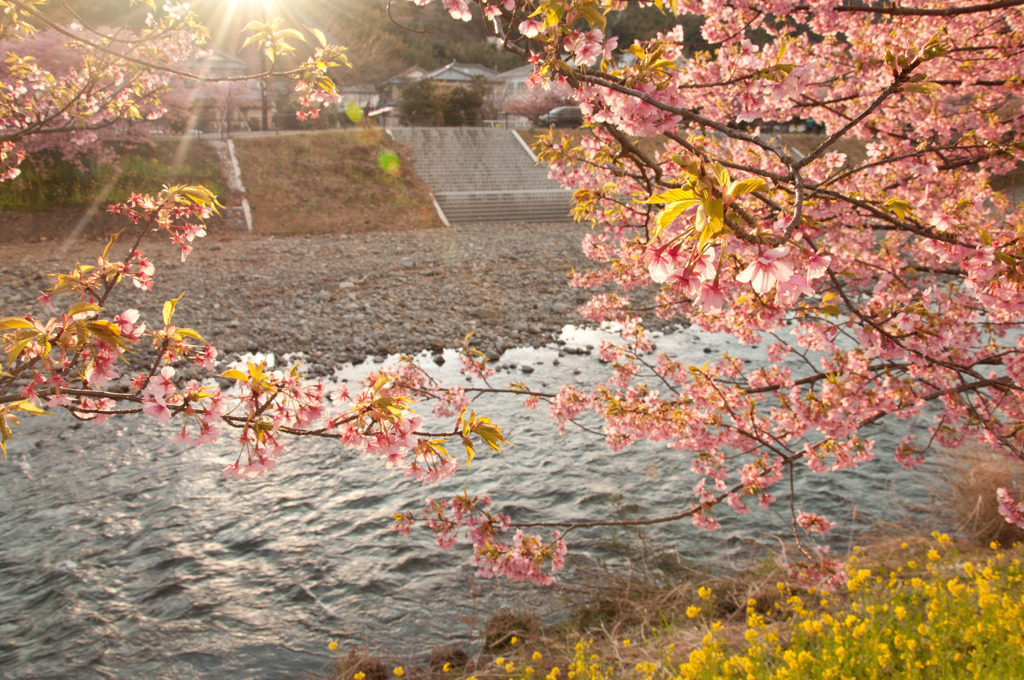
{"x": 52, "y": 205}
{"x": 315, "y": 183}
{"x": 144, "y": 169}
{"x": 331, "y": 182}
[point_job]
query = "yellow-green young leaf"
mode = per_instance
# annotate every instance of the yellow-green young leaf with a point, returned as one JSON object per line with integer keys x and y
{"x": 11, "y": 322}
{"x": 890, "y": 60}
{"x": 672, "y": 196}
{"x": 899, "y": 207}
{"x": 188, "y": 333}
{"x": 200, "y": 195}
{"x": 716, "y": 213}
{"x": 18, "y": 348}
{"x": 1007, "y": 259}
{"x": 109, "y": 333}
{"x": 669, "y": 214}
{"x": 747, "y": 186}
{"x": 83, "y": 308}
{"x": 593, "y": 16}
{"x": 28, "y": 407}
{"x": 470, "y": 451}
{"x": 319, "y": 36}
{"x": 783, "y": 46}
{"x": 710, "y": 232}
{"x": 721, "y": 174}
{"x": 289, "y": 33}
{"x": 81, "y": 333}
{"x": 986, "y": 238}
{"x": 919, "y": 88}
{"x": 110, "y": 244}
{"x": 169, "y": 309}
{"x": 251, "y": 39}
{"x": 5, "y": 432}
{"x": 491, "y": 434}
{"x": 256, "y": 370}
{"x": 234, "y": 374}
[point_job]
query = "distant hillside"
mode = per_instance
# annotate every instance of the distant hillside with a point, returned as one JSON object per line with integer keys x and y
{"x": 378, "y": 46}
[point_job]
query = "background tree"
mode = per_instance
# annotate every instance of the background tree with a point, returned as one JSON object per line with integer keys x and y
{"x": 425, "y": 102}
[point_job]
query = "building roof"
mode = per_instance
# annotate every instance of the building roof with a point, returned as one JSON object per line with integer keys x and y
{"x": 409, "y": 74}
{"x": 463, "y": 73}
{"x": 519, "y": 73}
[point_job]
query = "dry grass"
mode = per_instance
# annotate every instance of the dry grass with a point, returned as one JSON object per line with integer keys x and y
{"x": 966, "y": 491}
{"x": 331, "y": 182}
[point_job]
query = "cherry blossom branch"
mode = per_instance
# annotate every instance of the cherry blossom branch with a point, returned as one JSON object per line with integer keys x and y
{"x": 901, "y": 79}
{"x": 922, "y": 11}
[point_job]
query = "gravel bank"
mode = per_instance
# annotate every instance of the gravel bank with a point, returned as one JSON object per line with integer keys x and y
{"x": 341, "y": 298}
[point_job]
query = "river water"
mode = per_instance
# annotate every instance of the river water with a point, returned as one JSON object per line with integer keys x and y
{"x": 124, "y": 555}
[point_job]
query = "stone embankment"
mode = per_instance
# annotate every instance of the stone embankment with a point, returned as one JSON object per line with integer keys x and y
{"x": 341, "y": 298}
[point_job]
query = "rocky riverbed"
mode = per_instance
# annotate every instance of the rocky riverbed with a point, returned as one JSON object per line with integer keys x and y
{"x": 342, "y": 297}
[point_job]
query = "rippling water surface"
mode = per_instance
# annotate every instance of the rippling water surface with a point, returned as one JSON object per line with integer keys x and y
{"x": 125, "y": 555}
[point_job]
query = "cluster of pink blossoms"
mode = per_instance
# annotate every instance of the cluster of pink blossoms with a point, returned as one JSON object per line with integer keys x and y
{"x": 527, "y": 558}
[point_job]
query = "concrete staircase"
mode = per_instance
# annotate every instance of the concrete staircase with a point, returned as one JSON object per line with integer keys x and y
{"x": 484, "y": 175}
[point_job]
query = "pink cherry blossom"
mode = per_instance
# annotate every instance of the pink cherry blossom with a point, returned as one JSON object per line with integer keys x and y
{"x": 766, "y": 270}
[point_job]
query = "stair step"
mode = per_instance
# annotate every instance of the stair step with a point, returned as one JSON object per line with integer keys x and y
{"x": 483, "y": 175}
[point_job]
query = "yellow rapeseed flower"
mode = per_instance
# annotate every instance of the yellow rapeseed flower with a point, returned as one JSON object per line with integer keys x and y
{"x": 537, "y": 656}
{"x": 626, "y": 643}
{"x": 332, "y": 645}
{"x": 704, "y": 592}
{"x": 359, "y": 676}
{"x": 500, "y": 661}
{"x": 692, "y": 611}
{"x": 399, "y": 671}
